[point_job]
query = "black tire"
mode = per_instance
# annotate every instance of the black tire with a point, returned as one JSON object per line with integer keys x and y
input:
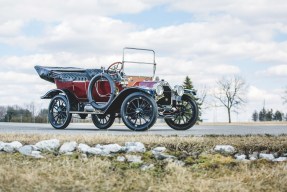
{"x": 186, "y": 116}
{"x": 59, "y": 116}
{"x": 91, "y": 86}
{"x": 103, "y": 121}
{"x": 139, "y": 111}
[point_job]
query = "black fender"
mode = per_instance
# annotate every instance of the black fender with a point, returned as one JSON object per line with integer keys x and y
{"x": 190, "y": 92}
{"x": 115, "y": 105}
{"x": 72, "y": 100}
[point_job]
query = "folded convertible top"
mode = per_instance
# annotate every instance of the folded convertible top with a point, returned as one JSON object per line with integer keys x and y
{"x": 66, "y": 73}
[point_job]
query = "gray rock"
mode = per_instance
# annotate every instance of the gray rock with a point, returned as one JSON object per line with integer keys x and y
{"x": 68, "y": 147}
{"x": 69, "y": 153}
{"x": 8, "y": 148}
{"x": 162, "y": 156}
{"x": 27, "y": 149}
{"x": 224, "y": 149}
{"x": 147, "y": 167}
{"x": 276, "y": 154}
{"x": 110, "y": 148}
{"x": 1, "y": 145}
{"x": 159, "y": 155}
{"x": 254, "y": 156}
{"x": 30, "y": 150}
{"x": 280, "y": 159}
{"x": 158, "y": 150}
{"x": 83, "y": 148}
{"x": 240, "y": 157}
{"x": 134, "y": 158}
{"x": 97, "y": 151}
{"x": 48, "y": 145}
{"x": 84, "y": 157}
{"x": 36, "y": 154}
{"x": 269, "y": 157}
{"x": 12, "y": 147}
{"x": 121, "y": 158}
{"x": 134, "y": 147}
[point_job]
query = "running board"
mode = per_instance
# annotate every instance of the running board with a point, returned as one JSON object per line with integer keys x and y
{"x": 86, "y": 112}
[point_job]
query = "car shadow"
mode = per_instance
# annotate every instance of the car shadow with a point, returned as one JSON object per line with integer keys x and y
{"x": 116, "y": 130}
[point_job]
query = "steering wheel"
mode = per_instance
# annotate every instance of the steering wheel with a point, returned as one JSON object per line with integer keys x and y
{"x": 115, "y": 68}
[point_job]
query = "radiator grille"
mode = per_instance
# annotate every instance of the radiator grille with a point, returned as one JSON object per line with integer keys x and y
{"x": 166, "y": 100}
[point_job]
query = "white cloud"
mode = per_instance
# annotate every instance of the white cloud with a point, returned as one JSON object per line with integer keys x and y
{"x": 278, "y": 70}
{"x": 256, "y": 94}
{"x": 10, "y": 28}
{"x": 54, "y": 10}
{"x": 262, "y": 11}
{"x": 220, "y": 37}
{"x": 86, "y": 34}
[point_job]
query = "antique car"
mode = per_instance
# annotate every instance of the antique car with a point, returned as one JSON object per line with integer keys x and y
{"x": 109, "y": 93}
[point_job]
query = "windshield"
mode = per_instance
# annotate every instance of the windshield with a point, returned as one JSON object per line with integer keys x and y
{"x": 139, "y": 62}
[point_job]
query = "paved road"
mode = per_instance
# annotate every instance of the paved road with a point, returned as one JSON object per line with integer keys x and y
{"x": 158, "y": 129}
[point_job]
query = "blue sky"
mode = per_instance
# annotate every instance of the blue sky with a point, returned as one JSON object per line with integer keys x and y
{"x": 206, "y": 40}
{"x": 34, "y": 28}
{"x": 156, "y": 17}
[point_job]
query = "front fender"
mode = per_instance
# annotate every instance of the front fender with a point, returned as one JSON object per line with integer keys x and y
{"x": 190, "y": 91}
{"x": 117, "y": 102}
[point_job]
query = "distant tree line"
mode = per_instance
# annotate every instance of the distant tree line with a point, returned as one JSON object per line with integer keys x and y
{"x": 17, "y": 113}
{"x": 268, "y": 115}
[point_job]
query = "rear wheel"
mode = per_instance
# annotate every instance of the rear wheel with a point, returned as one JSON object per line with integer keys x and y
{"x": 59, "y": 115}
{"x": 186, "y": 115}
{"x": 139, "y": 111}
{"x": 103, "y": 121}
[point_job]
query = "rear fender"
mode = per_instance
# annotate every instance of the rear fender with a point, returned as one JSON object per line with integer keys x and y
{"x": 73, "y": 102}
{"x": 115, "y": 105}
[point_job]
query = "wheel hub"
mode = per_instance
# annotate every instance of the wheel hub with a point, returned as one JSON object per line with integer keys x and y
{"x": 139, "y": 111}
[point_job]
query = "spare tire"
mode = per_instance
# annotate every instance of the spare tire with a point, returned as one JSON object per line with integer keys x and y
{"x": 90, "y": 91}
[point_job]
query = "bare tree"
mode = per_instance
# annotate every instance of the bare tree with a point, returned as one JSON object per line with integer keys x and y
{"x": 202, "y": 93}
{"x": 32, "y": 108}
{"x": 231, "y": 93}
{"x": 3, "y": 111}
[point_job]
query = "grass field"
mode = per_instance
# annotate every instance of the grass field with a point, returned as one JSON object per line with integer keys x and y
{"x": 203, "y": 171}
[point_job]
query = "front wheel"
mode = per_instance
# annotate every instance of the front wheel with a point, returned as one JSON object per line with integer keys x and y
{"x": 139, "y": 111}
{"x": 186, "y": 115}
{"x": 103, "y": 121}
{"x": 59, "y": 115}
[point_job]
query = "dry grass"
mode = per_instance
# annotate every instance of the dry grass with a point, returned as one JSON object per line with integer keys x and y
{"x": 210, "y": 172}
